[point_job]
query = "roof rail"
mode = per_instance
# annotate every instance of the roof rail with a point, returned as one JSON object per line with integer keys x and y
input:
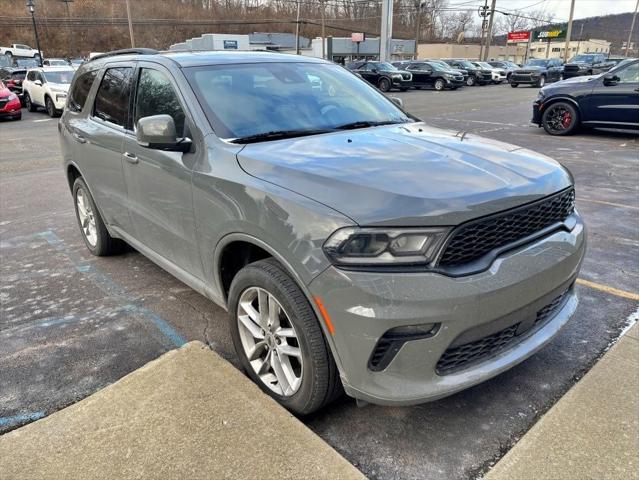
{"x": 127, "y": 51}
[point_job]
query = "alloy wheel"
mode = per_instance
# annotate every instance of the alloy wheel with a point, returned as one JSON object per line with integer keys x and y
{"x": 270, "y": 341}
{"x": 559, "y": 118}
{"x": 50, "y": 109}
{"x": 87, "y": 217}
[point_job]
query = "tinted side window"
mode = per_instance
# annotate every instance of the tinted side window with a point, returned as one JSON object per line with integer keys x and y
{"x": 80, "y": 90}
{"x": 112, "y": 99}
{"x": 156, "y": 96}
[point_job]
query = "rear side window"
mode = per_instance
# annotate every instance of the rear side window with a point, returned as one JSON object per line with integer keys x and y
{"x": 156, "y": 96}
{"x": 112, "y": 99}
{"x": 80, "y": 90}
{"x": 31, "y": 76}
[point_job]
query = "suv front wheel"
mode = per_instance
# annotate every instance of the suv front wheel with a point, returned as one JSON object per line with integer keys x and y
{"x": 279, "y": 340}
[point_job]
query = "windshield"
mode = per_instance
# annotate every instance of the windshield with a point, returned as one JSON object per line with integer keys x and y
{"x": 59, "y": 77}
{"x": 384, "y": 66}
{"x": 621, "y": 64}
{"x": 437, "y": 67}
{"x": 536, "y": 63}
{"x": 584, "y": 58}
{"x": 485, "y": 65}
{"x": 467, "y": 64}
{"x": 26, "y": 62}
{"x": 244, "y": 100}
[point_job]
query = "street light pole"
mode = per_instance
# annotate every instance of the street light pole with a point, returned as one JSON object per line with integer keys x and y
{"x": 386, "y": 30}
{"x": 568, "y": 32}
{"x": 632, "y": 27}
{"x": 31, "y": 7}
{"x": 128, "y": 14}
{"x": 297, "y": 30}
{"x": 66, "y": 3}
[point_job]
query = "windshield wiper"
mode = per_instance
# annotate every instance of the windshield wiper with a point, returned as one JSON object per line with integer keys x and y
{"x": 365, "y": 124}
{"x": 277, "y": 135}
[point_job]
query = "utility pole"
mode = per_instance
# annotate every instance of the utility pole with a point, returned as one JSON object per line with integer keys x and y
{"x": 128, "y": 14}
{"x": 323, "y": 6}
{"x": 490, "y": 30}
{"x": 387, "y": 30}
{"x": 581, "y": 32}
{"x": 632, "y": 27}
{"x": 66, "y": 3}
{"x": 483, "y": 13}
{"x": 297, "y": 31}
{"x": 567, "y": 48}
{"x": 418, "y": 25}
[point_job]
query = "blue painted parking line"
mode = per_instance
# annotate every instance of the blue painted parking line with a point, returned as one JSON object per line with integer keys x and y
{"x": 19, "y": 419}
{"x": 112, "y": 288}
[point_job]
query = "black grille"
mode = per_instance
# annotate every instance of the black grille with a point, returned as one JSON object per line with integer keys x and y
{"x": 473, "y": 240}
{"x": 571, "y": 68}
{"x": 462, "y": 356}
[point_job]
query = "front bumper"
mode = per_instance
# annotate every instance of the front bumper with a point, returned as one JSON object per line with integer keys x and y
{"x": 519, "y": 78}
{"x": 363, "y": 306}
{"x": 536, "y": 118}
{"x": 59, "y": 100}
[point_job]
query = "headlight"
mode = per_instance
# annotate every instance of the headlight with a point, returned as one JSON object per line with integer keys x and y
{"x": 13, "y": 96}
{"x": 397, "y": 75}
{"x": 384, "y": 246}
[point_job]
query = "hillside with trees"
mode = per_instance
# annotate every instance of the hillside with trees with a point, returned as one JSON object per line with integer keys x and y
{"x": 82, "y": 26}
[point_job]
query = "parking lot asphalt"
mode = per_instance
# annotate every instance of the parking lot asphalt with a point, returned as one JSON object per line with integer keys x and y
{"x": 71, "y": 323}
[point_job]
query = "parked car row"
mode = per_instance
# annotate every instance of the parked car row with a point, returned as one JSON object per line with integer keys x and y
{"x": 34, "y": 88}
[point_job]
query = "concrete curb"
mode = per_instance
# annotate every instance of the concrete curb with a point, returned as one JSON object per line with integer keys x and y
{"x": 188, "y": 414}
{"x": 592, "y": 432}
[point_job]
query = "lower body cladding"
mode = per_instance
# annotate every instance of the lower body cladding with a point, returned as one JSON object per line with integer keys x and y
{"x": 408, "y": 338}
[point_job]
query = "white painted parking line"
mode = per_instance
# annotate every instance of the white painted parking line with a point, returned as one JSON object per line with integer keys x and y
{"x": 43, "y": 120}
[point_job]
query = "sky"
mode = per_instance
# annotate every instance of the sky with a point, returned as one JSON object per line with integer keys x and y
{"x": 561, "y": 8}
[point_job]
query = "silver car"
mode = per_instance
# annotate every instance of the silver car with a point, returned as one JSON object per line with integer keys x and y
{"x": 354, "y": 246}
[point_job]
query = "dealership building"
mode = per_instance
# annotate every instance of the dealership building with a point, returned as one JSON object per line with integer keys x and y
{"x": 338, "y": 49}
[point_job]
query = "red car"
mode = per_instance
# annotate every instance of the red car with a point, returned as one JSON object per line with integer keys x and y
{"x": 10, "y": 106}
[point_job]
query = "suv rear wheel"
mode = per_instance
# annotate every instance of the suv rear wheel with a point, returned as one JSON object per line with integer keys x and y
{"x": 279, "y": 340}
{"x": 94, "y": 233}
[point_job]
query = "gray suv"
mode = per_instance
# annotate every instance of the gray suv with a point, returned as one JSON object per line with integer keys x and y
{"x": 354, "y": 246}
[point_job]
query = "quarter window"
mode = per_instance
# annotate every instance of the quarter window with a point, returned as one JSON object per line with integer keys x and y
{"x": 156, "y": 96}
{"x": 112, "y": 99}
{"x": 80, "y": 90}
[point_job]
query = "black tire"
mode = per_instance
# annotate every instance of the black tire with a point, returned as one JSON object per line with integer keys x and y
{"x": 320, "y": 380}
{"x": 542, "y": 81}
{"x": 471, "y": 80}
{"x": 105, "y": 244}
{"x": 29, "y": 105}
{"x": 8, "y": 54}
{"x": 439, "y": 85}
{"x": 403, "y": 89}
{"x": 384, "y": 84}
{"x": 514, "y": 85}
{"x": 51, "y": 110}
{"x": 560, "y": 118}
{"x": 508, "y": 77}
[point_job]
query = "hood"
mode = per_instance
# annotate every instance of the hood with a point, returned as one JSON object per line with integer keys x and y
{"x": 406, "y": 175}
{"x": 59, "y": 86}
{"x": 531, "y": 68}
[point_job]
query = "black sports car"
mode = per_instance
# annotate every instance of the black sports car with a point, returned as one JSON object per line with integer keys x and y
{"x": 607, "y": 100}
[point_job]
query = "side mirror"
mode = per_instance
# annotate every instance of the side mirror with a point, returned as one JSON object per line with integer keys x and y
{"x": 397, "y": 101}
{"x": 158, "y": 132}
{"x": 38, "y": 83}
{"x": 610, "y": 80}
{"x": 374, "y": 70}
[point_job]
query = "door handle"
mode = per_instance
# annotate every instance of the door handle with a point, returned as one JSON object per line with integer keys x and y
{"x": 79, "y": 138}
{"x": 131, "y": 158}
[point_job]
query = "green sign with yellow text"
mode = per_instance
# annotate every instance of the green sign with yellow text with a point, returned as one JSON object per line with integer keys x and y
{"x": 545, "y": 35}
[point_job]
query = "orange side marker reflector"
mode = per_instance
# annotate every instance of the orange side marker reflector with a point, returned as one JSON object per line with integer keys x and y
{"x": 327, "y": 319}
